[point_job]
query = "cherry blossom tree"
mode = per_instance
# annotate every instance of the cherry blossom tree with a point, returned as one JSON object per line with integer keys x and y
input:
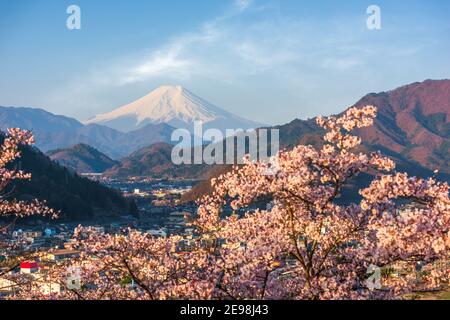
{"x": 281, "y": 230}
{"x": 133, "y": 266}
{"x": 307, "y": 244}
{"x": 11, "y": 209}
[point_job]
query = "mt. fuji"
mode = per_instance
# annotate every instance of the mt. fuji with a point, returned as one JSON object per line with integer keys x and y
{"x": 175, "y": 106}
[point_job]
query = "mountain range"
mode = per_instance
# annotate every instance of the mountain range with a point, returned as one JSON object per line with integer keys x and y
{"x": 175, "y": 106}
{"x": 412, "y": 127}
{"x": 55, "y": 132}
{"x": 149, "y": 120}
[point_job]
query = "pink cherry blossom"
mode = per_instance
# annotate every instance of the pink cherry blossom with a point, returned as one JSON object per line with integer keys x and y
{"x": 306, "y": 244}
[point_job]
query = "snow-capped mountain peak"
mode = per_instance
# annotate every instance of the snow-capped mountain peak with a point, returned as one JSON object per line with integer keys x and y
{"x": 173, "y": 105}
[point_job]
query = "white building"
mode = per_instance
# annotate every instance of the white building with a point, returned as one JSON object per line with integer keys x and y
{"x": 157, "y": 233}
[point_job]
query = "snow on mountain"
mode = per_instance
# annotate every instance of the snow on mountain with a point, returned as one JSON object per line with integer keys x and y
{"x": 175, "y": 106}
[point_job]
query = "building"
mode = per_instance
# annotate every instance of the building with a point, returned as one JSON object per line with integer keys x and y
{"x": 48, "y": 232}
{"x": 32, "y": 234}
{"x": 157, "y": 233}
{"x": 36, "y": 243}
{"x": 29, "y": 267}
{"x": 6, "y": 286}
{"x": 69, "y": 244}
{"x": 32, "y": 270}
{"x": 59, "y": 255}
{"x": 98, "y": 229}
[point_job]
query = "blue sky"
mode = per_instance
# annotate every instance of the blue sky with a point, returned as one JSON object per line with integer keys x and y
{"x": 271, "y": 61}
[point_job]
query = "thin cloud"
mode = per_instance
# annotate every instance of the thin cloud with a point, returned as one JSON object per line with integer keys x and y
{"x": 235, "y": 51}
{"x": 158, "y": 64}
{"x": 242, "y": 5}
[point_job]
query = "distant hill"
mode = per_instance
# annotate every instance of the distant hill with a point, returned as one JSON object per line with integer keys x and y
{"x": 413, "y": 124}
{"x": 155, "y": 161}
{"x": 55, "y": 132}
{"x": 144, "y": 137}
{"x": 414, "y": 121}
{"x": 82, "y": 158}
{"x": 78, "y": 198}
